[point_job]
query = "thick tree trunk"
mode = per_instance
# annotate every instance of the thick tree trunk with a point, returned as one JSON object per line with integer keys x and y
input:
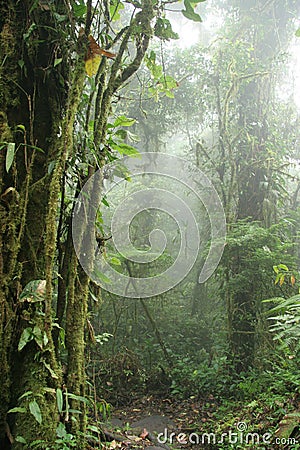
{"x": 267, "y": 35}
{"x": 33, "y": 95}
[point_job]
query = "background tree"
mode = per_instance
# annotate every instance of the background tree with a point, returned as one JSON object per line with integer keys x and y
{"x": 236, "y": 131}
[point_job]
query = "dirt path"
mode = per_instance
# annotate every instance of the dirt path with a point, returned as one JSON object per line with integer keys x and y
{"x": 155, "y": 424}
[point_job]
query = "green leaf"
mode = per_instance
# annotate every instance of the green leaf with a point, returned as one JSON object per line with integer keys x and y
{"x": 273, "y": 300}
{"x": 102, "y": 277}
{"x": 283, "y": 267}
{"x": 125, "y": 149}
{"x": 78, "y": 398}
{"x": 38, "y": 336}
{"x": 39, "y": 149}
{"x": 191, "y": 15}
{"x": 26, "y": 394}
{"x": 105, "y": 202}
{"x": 170, "y": 94}
{"x": 10, "y": 153}
{"x": 57, "y": 61}
{"x": 35, "y": 411}
{"x": 21, "y": 63}
{"x": 121, "y": 171}
{"x": 31, "y": 293}
{"x": 123, "y": 121}
{"x": 26, "y": 337}
{"x": 21, "y": 127}
{"x": 79, "y": 9}
{"x": 26, "y": 35}
{"x": 60, "y": 17}
{"x": 155, "y": 69}
{"x": 93, "y": 428}
{"x": 52, "y": 373}
{"x": 297, "y": 33}
{"x": 121, "y": 133}
{"x": 132, "y": 137}
{"x": 115, "y": 261}
{"x": 93, "y": 296}
{"x": 189, "y": 12}
{"x": 61, "y": 431}
{"x": 277, "y": 278}
{"x": 37, "y": 444}
{"x": 163, "y": 29}
{"x": 170, "y": 82}
{"x": 51, "y": 166}
{"x": 45, "y": 339}
{"x": 21, "y": 440}
{"x": 59, "y": 400}
{"x": 17, "y": 409}
{"x": 115, "y": 7}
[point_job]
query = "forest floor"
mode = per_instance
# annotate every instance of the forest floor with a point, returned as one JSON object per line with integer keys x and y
{"x": 154, "y": 423}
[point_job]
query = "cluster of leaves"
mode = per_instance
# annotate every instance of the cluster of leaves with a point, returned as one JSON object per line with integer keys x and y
{"x": 29, "y": 402}
{"x": 252, "y": 250}
{"x": 162, "y": 83}
{"x": 117, "y": 136}
{"x": 285, "y": 325}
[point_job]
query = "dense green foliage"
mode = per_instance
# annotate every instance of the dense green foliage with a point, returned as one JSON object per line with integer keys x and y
{"x": 71, "y": 351}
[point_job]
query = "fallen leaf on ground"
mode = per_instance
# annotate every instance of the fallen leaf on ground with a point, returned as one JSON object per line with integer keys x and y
{"x": 144, "y": 434}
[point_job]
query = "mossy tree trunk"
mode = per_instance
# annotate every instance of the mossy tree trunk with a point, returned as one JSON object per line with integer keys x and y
{"x": 33, "y": 99}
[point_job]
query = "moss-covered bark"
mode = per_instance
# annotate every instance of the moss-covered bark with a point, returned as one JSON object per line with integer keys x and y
{"x": 34, "y": 95}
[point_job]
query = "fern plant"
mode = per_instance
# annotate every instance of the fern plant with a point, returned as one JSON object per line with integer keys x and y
{"x": 286, "y": 323}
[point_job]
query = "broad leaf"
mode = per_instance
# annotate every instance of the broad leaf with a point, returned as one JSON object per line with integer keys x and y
{"x": 92, "y": 65}
{"x": 78, "y": 398}
{"x": 10, "y": 153}
{"x": 35, "y": 411}
{"x": 191, "y": 15}
{"x": 163, "y": 29}
{"x": 26, "y": 337}
{"x": 102, "y": 277}
{"x": 115, "y": 261}
{"x": 125, "y": 149}
{"x": 114, "y": 8}
{"x": 283, "y": 267}
{"x": 123, "y": 121}
{"x": 21, "y": 440}
{"x": 32, "y": 291}
{"x": 189, "y": 12}
{"x": 61, "y": 431}
{"x": 59, "y": 400}
{"x": 79, "y": 9}
{"x": 38, "y": 336}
